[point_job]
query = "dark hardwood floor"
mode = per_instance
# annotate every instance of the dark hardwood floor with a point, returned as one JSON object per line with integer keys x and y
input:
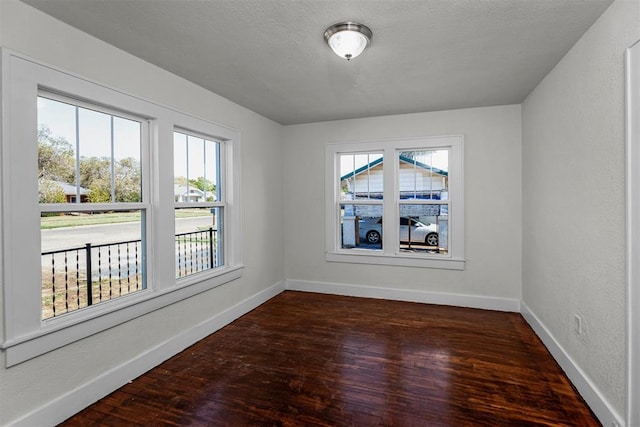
{"x": 305, "y": 359}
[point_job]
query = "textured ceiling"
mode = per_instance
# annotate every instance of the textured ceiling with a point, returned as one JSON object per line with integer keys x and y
{"x": 270, "y": 56}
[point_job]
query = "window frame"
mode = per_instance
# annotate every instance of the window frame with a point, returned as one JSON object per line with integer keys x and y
{"x": 390, "y": 253}
{"x": 144, "y": 206}
{"x": 368, "y": 201}
{"x": 220, "y": 202}
{"x": 25, "y": 334}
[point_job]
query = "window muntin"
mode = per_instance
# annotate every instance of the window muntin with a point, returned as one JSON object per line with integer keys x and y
{"x": 422, "y": 183}
{"x": 93, "y": 221}
{"x": 200, "y": 204}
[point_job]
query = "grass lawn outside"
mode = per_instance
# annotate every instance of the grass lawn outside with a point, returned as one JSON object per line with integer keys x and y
{"x": 78, "y": 219}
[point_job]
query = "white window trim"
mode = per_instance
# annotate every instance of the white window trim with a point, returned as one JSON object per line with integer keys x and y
{"x": 25, "y": 334}
{"x": 390, "y": 254}
{"x": 633, "y": 232}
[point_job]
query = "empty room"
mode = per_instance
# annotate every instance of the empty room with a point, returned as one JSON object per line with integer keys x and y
{"x": 320, "y": 212}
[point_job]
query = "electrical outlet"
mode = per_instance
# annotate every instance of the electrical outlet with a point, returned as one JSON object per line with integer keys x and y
{"x": 577, "y": 324}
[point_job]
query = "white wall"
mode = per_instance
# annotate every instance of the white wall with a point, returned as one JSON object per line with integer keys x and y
{"x": 30, "y": 385}
{"x": 492, "y": 202}
{"x": 573, "y": 192}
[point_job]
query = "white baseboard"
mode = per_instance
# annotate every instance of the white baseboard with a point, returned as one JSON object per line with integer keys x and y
{"x": 590, "y": 393}
{"x": 70, "y": 403}
{"x": 410, "y": 295}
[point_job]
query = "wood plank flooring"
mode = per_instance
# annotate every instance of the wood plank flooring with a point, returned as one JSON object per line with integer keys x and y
{"x": 305, "y": 359}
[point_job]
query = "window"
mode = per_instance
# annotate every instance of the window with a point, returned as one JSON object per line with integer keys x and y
{"x": 423, "y": 200}
{"x": 410, "y": 189}
{"x": 93, "y": 212}
{"x": 361, "y": 196}
{"x": 198, "y": 193}
{"x": 89, "y": 209}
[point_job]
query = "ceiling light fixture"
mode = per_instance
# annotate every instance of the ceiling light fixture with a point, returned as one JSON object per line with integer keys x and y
{"x": 348, "y": 39}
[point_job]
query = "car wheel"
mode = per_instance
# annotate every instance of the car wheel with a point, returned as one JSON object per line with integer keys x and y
{"x": 373, "y": 236}
{"x": 431, "y": 239}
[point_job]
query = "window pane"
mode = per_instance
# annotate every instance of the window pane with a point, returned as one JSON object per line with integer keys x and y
{"x": 198, "y": 240}
{"x": 127, "y": 157}
{"x": 361, "y": 176}
{"x": 94, "y": 142}
{"x": 211, "y": 171}
{"x": 179, "y": 166}
{"x": 57, "y": 152}
{"x": 108, "y": 149}
{"x": 105, "y": 247}
{"x": 196, "y": 169}
{"x": 361, "y": 226}
{"x": 424, "y": 228}
{"x": 424, "y": 174}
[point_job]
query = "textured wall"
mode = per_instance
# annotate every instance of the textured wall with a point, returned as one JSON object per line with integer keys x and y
{"x": 27, "y": 386}
{"x": 573, "y": 193}
{"x": 492, "y": 201}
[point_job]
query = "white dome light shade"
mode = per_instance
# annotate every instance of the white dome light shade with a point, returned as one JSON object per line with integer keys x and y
{"x": 348, "y": 44}
{"x": 348, "y": 39}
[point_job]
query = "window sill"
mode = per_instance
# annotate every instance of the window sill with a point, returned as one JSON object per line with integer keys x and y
{"x": 397, "y": 260}
{"x": 59, "y": 332}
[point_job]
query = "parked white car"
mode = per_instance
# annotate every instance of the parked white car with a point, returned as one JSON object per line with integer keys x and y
{"x": 371, "y": 231}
